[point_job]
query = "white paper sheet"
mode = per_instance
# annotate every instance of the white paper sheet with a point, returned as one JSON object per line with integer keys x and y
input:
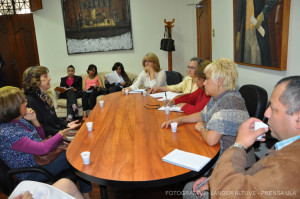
{"x": 113, "y": 77}
{"x": 187, "y": 160}
{"x": 174, "y": 108}
{"x": 162, "y": 95}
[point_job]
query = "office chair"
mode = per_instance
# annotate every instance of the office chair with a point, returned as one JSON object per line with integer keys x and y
{"x": 173, "y": 77}
{"x": 256, "y": 99}
{"x": 8, "y": 181}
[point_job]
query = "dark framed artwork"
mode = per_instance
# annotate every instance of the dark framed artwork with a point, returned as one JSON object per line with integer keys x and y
{"x": 261, "y": 29}
{"x": 97, "y": 25}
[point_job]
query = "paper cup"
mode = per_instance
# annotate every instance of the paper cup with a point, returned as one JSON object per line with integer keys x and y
{"x": 85, "y": 157}
{"x": 259, "y": 125}
{"x": 101, "y": 103}
{"x": 167, "y": 110}
{"x": 126, "y": 92}
{"x": 174, "y": 127}
{"x": 89, "y": 126}
{"x": 144, "y": 93}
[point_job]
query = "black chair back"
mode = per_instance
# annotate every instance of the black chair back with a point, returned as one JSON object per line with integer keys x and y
{"x": 256, "y": 99}
{"x": 173, "y": 77}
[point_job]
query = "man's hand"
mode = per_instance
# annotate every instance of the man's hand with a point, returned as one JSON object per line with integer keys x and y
{"x": 73, "y": 125}
{"x": 246, "y": 135}
{"x": 203, "y": 188}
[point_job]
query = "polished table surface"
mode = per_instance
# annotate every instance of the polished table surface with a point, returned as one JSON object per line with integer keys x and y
{"x": 127, "y": 144}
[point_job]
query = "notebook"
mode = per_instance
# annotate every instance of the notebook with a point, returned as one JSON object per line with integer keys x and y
{"x": 187, "y": 160}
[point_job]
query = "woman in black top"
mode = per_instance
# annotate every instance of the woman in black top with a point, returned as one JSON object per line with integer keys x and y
{"x": 124, "y": 79}
{"x": 36, "y": 82}
{"x": 74, "y": 85}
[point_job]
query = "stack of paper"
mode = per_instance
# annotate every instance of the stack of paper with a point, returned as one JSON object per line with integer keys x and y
{"x": 187, "y": 160}
{"x": 136, "y": 91}
{"x": 162, "y": 95}
{"x": 174, "y": 108}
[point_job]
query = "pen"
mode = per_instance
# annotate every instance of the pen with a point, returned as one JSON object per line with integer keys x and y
{"x": 166, "y": 96}
{"x": 200, "y": 185}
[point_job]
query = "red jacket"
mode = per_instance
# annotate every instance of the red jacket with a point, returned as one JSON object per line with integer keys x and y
{"x": 195, "y": 101}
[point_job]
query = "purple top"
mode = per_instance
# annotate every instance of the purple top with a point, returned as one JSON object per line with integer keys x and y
{"x": 27, "y": 145}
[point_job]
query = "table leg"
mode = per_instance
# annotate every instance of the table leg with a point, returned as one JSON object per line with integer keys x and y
{"x": 103, "y": 192}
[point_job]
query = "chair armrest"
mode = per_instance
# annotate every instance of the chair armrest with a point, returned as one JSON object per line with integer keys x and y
{"x": 32, "y": 169}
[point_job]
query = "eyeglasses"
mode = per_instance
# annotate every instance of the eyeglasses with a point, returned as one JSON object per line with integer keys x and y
{"x": 191, "y": 67}
{"x": 150, "y": 61}
{"x": 152, "y": 106}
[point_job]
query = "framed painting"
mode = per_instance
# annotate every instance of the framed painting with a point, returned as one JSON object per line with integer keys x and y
{"x": 97, "y": 25}
{"x": 261, "y": 29}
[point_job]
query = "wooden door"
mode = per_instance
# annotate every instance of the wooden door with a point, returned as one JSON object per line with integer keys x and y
{"x": 18, "y": 46}
{"x": 204, "y": 29}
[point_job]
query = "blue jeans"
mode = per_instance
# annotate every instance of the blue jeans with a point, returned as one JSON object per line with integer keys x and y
{"x": 59, "y": 165}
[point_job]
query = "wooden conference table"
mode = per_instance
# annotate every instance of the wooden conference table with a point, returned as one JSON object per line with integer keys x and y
{"x": 127, "y": 145}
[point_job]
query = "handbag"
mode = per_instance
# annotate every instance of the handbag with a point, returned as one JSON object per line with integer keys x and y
{"x": 52, "y": 155}
{"x": 167, "y": 43}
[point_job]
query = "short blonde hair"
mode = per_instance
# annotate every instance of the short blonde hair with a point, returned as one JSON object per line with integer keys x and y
{"x": 226, "y": 69}
{"x": 152, "y": 57}
{"x": 11, "y": 99}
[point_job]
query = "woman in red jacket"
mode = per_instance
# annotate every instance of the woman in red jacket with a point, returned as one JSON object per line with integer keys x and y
{"x": 197, "y": 100}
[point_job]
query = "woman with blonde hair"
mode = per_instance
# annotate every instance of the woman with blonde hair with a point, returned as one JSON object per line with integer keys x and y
{"x": 36, "y": 83}
{"x": 220, "y": 119}
{"x": 152, "y": 75}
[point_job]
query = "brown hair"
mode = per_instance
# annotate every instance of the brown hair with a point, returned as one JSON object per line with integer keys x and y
{"x": 31, "y": 78}
{"x": 11, "y": 99}
{"x": 199, "y": 72}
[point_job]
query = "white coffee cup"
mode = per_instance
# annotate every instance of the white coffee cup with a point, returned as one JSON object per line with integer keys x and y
{"x": 89, "y": 126}
{"x": 144, "y": 93}
{"x": 126, "y": 92}
{"x": 259, "y": 125}
{"x": 167, "y": 110}
{"x": 101, "y": 103}
{"x": 85, "y": 157}
{"x": 174, "y": 127}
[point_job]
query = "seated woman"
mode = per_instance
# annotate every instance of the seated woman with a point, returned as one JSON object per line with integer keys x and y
{"x": 225, "y": 112}
{"x": 36, "y": 83}
{"x": 91, "y": 86}
{"x": 197, "y": 100}
{"x": 188, "y": 85}
{"x": 20, "y": 140}
{"x": 74, "y": 85}
{"x": 124, "y": 79}
{"x": 152, "y": 76}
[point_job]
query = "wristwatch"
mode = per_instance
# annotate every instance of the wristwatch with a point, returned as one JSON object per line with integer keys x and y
{"x": 238, "y": 145}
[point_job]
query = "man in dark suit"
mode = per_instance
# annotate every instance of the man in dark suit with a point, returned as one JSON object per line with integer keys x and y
{"x": 74, "y": 85}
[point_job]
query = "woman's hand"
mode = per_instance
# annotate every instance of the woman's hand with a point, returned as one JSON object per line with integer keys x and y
{"x": 73, "y": 125}
{"x": 169, "y": 102}
{"x": 127, "y": 88}
{"x": 166, "y": 124}
{"x": 199, "y": 126}
{"x": 26, "y": 195}
{"x": 30, "y": 115}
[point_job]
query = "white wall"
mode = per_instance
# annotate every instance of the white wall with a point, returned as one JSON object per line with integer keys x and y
{"x": 222, "y": 22}
{"x": 147, "y": 30}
